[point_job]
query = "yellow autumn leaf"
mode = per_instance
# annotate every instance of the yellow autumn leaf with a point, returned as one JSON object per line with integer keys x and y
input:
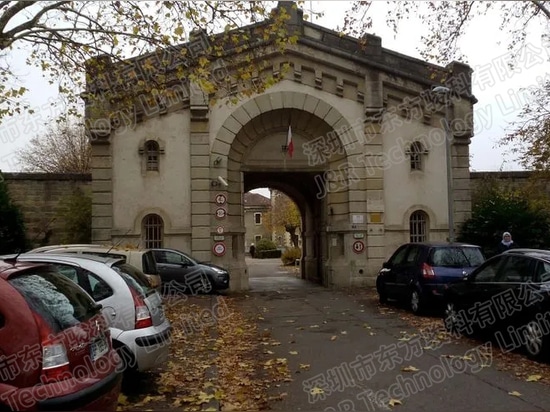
{"x": 304, "y": 365}
{"x": 410, "y": 369}
{"x": 514, "y": 393}
{"x": 293, "y": 352}
{"x": 122, "y": 399}
{"x": 344, "y": 332}
{"x": 394, "y": 402}
{"x": 316, "y": 391}
{"x": 334, "y": 337}
{"x": 534, "y": 378}
{"x": 314, "y": 326}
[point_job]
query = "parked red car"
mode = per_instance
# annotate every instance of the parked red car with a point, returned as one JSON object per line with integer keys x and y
{"x": 55, "y": 346}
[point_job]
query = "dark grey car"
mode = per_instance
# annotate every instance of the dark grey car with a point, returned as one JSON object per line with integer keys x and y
{"x": 181, "y": 272}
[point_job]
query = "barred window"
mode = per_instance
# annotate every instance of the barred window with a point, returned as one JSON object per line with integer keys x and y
{"x": 416, "y": 150}
{"x": 153, "y": 231}
{"x": 152, "y": 155}
{"x": 418, "y": 225}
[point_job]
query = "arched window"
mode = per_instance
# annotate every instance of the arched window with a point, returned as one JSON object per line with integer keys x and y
{"x": 418, "y": 226}
{"x": 152, "y": 155}
{"x": 415, "y": 152}
{"x": 153, "y": 231}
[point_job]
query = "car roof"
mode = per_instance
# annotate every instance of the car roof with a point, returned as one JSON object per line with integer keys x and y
{"x": 72, "y": 258}
{"x": 91, "y": 247}
{"x": 538, "y": 253}
{"x": 93, "y": 264}
{"x": 443, "y": 244}
{"x": 9, "y": 267}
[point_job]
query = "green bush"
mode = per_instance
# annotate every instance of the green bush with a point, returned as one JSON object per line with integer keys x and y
{"x": 268, "y": 254}
{"x": 290, "y": 255}
{"x": 265, "y": 244}
{"x": 12, "y": 227}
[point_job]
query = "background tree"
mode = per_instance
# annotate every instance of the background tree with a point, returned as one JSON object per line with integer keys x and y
{"x": 59, "y": 37}
{"x": 12, "y": 228}
{"x": 498, "y": 208}
{"x": 284, "y": 216}
{"x": 446, "y": 22}
{"x": 63, "y": 148}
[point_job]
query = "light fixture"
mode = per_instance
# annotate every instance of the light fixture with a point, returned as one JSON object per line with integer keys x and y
{"x": 217, "y": 161}
{"x": 445, "y": 92}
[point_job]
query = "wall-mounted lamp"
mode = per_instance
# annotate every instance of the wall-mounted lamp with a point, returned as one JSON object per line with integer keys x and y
{"x": 217, "y": 161}
{"x": 220, "y": 181}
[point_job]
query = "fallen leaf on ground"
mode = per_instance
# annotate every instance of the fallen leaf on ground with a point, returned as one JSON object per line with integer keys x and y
{"x": 344, "y": 332}
{"x": 534, "y": 378}
{"x": 514, "y": 393}
{"x": 316, "y": 391}
{"x": 334, "y": 337}
{"x": 314, "y": 326}
{"x": 410, "y": 369}
{"x": 394, "y": 402}
{"x": 293, "y": 352}
{"x": 304, "y": 366}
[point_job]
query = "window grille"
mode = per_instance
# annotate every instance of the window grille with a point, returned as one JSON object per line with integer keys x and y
{"x": 153, "y": 231}
{"x": 418, "y": 226}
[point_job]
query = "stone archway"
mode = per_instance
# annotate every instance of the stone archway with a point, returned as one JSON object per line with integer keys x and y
{"x": 250, "y": 140}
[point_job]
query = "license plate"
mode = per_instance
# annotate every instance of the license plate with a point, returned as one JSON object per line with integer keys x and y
{"x": 99, "y": 348}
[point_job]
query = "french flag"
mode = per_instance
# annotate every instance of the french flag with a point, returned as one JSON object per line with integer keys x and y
{"x": 289, "y": 143}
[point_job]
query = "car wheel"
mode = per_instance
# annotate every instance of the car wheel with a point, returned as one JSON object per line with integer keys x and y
{"x": 416, "y": 302}
{"x": 128, "y": 364}
{"x": 450, "y": 318}
{"x": 382, "y": 294}
{"x": 535, "y": 341}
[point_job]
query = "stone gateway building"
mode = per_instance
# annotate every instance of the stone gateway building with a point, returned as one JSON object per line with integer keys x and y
{"x": 368, "y": 171}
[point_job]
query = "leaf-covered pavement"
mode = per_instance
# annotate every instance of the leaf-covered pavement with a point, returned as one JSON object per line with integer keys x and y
{"x": 218, "y": 361}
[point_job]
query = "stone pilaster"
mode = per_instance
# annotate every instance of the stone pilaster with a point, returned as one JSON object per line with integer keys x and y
{"x": 200, "y": 174}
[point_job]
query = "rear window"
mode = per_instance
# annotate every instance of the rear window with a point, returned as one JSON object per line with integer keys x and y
{"x": 149, "y": 263}
{"x": 456, "y": 257}
{"x": 134, "y": 278}
{"x": 58, "y": 300}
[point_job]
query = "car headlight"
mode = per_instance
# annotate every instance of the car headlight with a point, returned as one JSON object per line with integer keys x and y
{"x": 219, "y": 271}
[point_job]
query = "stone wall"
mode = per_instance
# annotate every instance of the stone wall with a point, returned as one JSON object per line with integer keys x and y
{"x": 510, "y": 179}
{"x": 39, "y": 195}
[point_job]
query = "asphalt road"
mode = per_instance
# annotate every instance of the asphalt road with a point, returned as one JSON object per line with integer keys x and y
{"x": 346, "y": 353}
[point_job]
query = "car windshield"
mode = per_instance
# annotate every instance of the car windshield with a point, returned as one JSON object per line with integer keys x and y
{"x": 456, "y": 257}
{"x": 134, "y": 278}
{"x": 57, "y": 299}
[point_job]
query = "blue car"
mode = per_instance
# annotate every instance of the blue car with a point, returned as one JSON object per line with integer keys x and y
{"x": 419, "y": 273}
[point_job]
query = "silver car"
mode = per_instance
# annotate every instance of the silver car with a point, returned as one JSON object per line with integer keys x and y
{"x": 139, "y": 328}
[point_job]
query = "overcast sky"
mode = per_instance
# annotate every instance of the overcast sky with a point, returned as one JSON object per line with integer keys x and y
{"x": 497, "y": 89}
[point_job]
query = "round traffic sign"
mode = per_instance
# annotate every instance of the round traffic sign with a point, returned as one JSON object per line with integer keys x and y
{"x": 219, "y": 249}
{"x": 219, "y": 230}
{"x": 220, "y": 213}
{"x": 358, "y": 246}
{"x": 221, "y": 199}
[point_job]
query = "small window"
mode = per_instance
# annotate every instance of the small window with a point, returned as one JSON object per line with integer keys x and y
{"x": 153, "y": 228}
{"x": 418, "y": 226}
{"x": 258, "y": 218}
{"x": 416, "y": 151}
{"x": 257, "y": 238}
{"x": 152, "y": 155}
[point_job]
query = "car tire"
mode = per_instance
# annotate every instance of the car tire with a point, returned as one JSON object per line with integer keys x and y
{"x": 416, "y": 302}
{"x": 128, "y": 361}
{"x": 382, "y": 294}
{"x": 535, "y": 343}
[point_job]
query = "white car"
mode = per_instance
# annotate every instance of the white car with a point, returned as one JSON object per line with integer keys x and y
{"x": 139, "y": 329}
